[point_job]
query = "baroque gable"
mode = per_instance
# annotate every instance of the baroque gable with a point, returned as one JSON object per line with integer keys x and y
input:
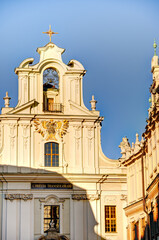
{"x": 54, "y": 174}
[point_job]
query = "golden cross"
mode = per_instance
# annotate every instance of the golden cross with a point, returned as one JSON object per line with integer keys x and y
{"x": 50, "y": 32}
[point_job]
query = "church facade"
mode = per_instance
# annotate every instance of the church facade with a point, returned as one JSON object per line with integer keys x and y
{"x": 52, "y": 166}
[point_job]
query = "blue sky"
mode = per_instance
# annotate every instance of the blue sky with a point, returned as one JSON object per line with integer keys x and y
{"x": 112, "y": 39}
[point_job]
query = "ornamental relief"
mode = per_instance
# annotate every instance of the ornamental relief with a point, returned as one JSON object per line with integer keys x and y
{"x": 90, "y": 136}
{"x": 110, "y": 199}
{"x": 77, "y": 130}
{"x": 52, "y": 201}
{"x": 77, "y": 136}
{"x": 24, "y": 197}
{"x": 90, "y": 132}
{"x": 91, "y": 197}
{"x": 25, "y": 133}
{"x": 12, "y": 141}
{"x": 12, "y": 129}
{"x": 123, "y": 197}
{"x": 26, "y": 127}
{"x": 13, "y": 133}
{"x": 51, "y": 129}
{"x": 25, "y": 141}
{"x": 23, "y": 77}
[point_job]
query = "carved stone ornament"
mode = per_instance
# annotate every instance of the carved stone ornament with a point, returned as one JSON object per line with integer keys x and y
{"x": 77, "y": 129}
{"x": 123, "y": 197}
{"x": 24, "y": 197}
{"x": 13, "y": 127}
{"x": 52, "y": 200}
{"x": 91, "y": 197}
{"x": 50, "y": 129}
{"x": 110, "y": 199}
{"x": 125, "y": 148}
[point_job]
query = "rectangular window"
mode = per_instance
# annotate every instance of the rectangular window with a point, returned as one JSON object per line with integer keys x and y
{"x": 51, "y": 154}
{"x": 52, "y": 214}
{"x": 110, "y": 218}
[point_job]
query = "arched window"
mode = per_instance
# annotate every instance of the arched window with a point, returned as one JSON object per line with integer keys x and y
{"x": 50, "y": 79}
{"x": 51, "y": 154}
{"x": 51, "y": 91}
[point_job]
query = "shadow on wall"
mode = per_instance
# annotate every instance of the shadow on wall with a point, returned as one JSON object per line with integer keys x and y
{"x": 54, "y": 203}
{"x": 150, "y": 232}
{"x": 146, "y": 234}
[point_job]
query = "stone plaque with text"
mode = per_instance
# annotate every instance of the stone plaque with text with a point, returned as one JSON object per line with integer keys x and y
{"x": 51, "y": 186}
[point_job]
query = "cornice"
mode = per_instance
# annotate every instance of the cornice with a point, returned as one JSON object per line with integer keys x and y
{"x": 71, "y": 118}
{"x": 75, "y": 71}
{"x": 46, "y": 176}
{"x": 133, "y": 158}
{"x": 153, "y": 184}
{"x": 134, "y": 207}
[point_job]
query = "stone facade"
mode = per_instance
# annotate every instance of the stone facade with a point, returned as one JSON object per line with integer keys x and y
{"x": 79, "y": 181}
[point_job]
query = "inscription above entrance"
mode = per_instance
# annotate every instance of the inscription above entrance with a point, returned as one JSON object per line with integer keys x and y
{"x": 51, "y": 186}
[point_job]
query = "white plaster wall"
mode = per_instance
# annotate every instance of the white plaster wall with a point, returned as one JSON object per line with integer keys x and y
{"x": 18, "y": 220}
{"x": 37, "y": 218}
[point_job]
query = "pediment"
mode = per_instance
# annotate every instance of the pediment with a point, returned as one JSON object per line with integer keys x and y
{"x": 80, "y": 110}
{"x": 23, "y": 109}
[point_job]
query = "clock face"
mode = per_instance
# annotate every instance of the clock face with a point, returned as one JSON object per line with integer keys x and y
{"x": 51, "y": 78}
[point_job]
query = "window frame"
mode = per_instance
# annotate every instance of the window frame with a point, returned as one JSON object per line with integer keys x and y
{"x": 49, "y": 88}
{"x": 110, "y": 219}
{"x": 51, "y": 218}
{"x": 52, "y": 200}
{"x": 54, "y": 161}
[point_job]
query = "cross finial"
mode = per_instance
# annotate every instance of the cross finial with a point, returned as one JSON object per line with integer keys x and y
{"x": 50, "y": 32}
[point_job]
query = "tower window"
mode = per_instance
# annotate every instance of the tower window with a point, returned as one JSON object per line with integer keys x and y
{"x": 50, "y": 79}
{"x": 110, "y": 218}
{"x": 51, "y": 154}
{"x": 51, "y": 91}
